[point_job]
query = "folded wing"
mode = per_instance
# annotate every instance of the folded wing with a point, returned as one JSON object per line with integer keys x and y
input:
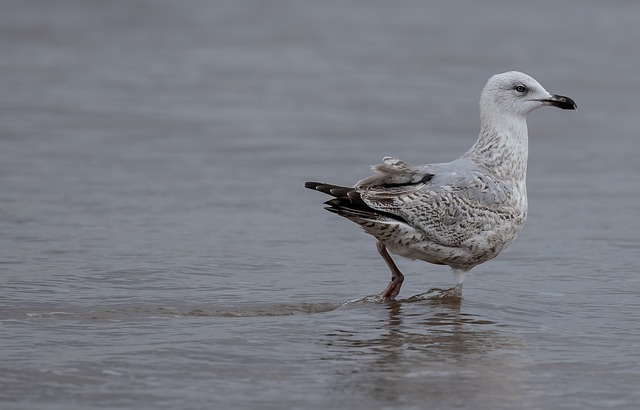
{"x": 446, "y": 206}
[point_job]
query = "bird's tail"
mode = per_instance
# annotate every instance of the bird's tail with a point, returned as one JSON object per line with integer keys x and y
{"x": 348, "y": 203}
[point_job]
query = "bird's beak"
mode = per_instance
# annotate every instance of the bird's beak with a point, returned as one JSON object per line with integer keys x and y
{"x": 560, "y": 101}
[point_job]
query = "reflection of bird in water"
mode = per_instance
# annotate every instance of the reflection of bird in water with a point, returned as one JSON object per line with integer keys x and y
{"x": 438, "y": 358}
{"x": 460, "y": 213}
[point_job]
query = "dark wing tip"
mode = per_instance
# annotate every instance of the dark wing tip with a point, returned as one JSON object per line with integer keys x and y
{"x": 329, "y": 189}
{"x": 312, "y": 185}
{"x": 338, "y": 191}
{"x": 335, "y": 202}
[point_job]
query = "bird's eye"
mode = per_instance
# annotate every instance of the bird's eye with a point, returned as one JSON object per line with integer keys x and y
{"x": 520, "y": 88}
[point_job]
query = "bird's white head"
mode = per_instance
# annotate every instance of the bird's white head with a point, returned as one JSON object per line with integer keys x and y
{"x": 515, "y": 93}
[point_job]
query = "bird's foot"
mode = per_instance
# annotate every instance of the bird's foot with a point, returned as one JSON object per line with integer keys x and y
{"x": 393, "y": 288}
{"x": 388, "y": 295}
{"x": 374, "y": 299}
{"x": 453, "y": 295}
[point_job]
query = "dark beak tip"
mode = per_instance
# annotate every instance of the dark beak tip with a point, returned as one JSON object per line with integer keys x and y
{"x": 564, "y": 103}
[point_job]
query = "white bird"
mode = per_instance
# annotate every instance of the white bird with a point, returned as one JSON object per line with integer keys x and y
{"x": 460, "y": 213}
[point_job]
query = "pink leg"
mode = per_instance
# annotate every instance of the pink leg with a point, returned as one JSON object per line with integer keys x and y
{"x": 397, "y": 277}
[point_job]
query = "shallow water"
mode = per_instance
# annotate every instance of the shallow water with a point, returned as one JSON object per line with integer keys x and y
{"x": 157, "y": 249}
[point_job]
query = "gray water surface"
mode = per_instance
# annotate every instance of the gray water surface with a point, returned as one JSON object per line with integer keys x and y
{"x": 158, "y": 250}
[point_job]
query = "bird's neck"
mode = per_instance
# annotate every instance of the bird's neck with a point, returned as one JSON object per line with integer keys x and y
{"x": 502, "y": 146}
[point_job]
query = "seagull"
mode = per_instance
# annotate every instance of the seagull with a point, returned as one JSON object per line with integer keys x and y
{"x": 460, "y": 213}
